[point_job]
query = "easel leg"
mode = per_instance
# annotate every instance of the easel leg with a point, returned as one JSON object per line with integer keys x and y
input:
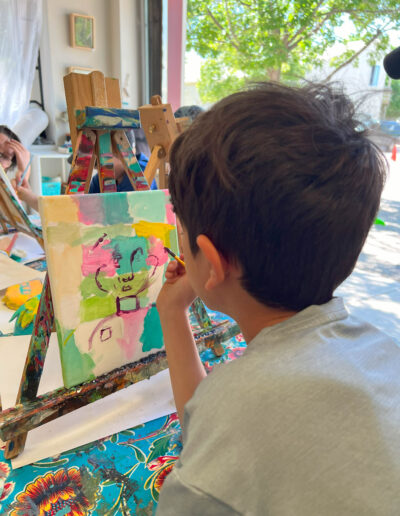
{"x": 82, "y": 166}
{"x": 162, "y": 175}
{"x": 106, "y": 166}
{"x": 123, "y": 150}
{"x": 154, "y": 163}
{"x": 204, "y": 321}
{"x": 33, "y": 369}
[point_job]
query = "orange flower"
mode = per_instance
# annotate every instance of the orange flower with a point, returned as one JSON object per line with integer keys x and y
{"x": 161, "y": 466}
{"x": 52, "y": 493}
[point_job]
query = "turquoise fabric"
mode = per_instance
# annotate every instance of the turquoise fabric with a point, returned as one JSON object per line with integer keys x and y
{"x": 121, "y": 474}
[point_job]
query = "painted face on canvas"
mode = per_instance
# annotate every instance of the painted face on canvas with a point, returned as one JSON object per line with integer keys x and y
{"x": 122, "y": 268}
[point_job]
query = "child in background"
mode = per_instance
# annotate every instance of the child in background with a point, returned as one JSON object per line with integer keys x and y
{"x": 13, "y": 155}
{"x": 276, "y": 190}
{"x": 123, "y": 182}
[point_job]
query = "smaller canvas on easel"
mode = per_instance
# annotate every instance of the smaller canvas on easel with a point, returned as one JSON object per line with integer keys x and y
{"x": 12, "y": 213}
{"x": 106, "y": 264}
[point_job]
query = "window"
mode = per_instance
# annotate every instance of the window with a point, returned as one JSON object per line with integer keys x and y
{"x": 374, "y": 75}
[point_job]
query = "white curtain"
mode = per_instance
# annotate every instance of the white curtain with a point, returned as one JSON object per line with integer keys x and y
{"x": 20, "y": 27}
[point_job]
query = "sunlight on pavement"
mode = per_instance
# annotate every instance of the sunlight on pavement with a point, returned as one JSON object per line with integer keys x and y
{"x": 372, "y": 292}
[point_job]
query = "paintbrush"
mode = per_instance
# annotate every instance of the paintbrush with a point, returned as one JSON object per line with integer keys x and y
{"x": 174, "y": 256}
{"x": 11, "y": 244}
{"x": 24, "y": 172}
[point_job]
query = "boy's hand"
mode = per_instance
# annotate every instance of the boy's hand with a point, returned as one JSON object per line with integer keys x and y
{"x": 22, "y": 156}
{"x": 176, "y": 293}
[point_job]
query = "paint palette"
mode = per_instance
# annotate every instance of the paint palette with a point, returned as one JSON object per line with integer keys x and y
{"x": 106, "y": 264}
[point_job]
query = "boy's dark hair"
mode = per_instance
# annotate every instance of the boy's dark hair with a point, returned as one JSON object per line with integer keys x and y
{"x": 285, "y": 184}
{"x": 7, "y": 131}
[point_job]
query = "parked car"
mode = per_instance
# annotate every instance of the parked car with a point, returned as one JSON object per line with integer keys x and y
{"x": 390, "y": 127}
{"x": 385, "y": 133}
{"x": 367, "y": 121}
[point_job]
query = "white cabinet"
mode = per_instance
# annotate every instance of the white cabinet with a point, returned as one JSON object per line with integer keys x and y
{"x": 56, "y": 165}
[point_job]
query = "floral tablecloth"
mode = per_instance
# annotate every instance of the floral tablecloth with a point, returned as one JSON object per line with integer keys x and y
{"x": 121, "y": 474}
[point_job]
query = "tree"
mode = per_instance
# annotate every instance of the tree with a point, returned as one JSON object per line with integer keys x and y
{"x": 393, "y": 110}
{"x": 250, "y": 40}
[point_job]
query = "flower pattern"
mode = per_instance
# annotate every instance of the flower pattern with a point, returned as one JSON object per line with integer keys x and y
{"x": 6, "y": 488}
{"x": 162, "y": 467}
{"x": 53, "y": 493}
{"x": 120, "y": 474}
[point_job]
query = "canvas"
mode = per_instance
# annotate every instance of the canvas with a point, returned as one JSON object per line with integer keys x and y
{"x": 106, "y": 264}
{"x": 12, "y": 213}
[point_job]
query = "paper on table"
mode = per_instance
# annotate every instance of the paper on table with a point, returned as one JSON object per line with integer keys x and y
{"x": 6, "y": 327}
{"x": 13, "y": 273}
{"x": 30, "y": 246}
{"x": 137, "y": 404}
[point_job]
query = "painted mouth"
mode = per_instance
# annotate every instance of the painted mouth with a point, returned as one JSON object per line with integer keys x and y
{"x": 127, "y": 304}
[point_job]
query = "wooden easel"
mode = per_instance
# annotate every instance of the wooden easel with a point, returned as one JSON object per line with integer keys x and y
{"x": 32, "y": 410}
{"x": 160, "y": 128}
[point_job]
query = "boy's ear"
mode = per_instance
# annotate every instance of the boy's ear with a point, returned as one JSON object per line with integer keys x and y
{"x": 216, "y": 262}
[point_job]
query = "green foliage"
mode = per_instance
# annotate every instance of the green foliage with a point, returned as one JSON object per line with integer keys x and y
{"x": 393, "y": 110}
{"x": 250, "y": 40}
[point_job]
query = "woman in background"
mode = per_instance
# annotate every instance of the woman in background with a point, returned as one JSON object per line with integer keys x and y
{"x": 14, "y": 156}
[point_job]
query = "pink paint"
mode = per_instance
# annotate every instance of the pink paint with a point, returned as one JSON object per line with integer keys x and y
{"x": 169, "y": 212}
{"x": 92, "y": 259}
{"x": 91, "y": 211}
{"x": 133, "y": 327}
{"x": 157, "y": 254}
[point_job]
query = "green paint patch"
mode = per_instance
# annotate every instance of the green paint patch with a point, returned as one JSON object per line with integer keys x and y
{"x": 96, "y": 308}
{"x": 88, "y": 286}
{"x": 77, "y": 367}
{"x": 90, "y": 234}
{"x": 149, "y": 205}
{"x": 152, "y": 337}
{"x": 62, "y": 233}
{"x": 121, "y": 285}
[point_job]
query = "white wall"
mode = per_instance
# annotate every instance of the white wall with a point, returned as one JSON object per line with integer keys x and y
{"x": 117, "y": 53}
{"x": 356, "y": 82}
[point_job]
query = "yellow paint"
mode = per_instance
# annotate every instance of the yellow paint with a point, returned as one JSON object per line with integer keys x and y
{"x": 58, "y": 211}
{"x": 157, "y": 229}
{"x": 28, "y": 314}
{"x": 17, "y": 295}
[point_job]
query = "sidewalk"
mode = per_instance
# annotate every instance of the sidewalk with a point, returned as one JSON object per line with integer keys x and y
{"x": 372, "y": 292}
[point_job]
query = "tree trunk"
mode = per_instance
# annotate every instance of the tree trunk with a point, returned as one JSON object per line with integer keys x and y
{"x": 274, "y": 74}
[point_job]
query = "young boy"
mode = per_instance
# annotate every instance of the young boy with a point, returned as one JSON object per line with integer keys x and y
{"x": 276, "y": 189}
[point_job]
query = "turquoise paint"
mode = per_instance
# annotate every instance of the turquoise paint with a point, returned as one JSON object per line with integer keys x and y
{"x": 148, "y": 205}
{"x": 116, "y": 208}
{"x": 123, "y": 247}
{"x": 152, "y": 337}
{"x": 77, "y": 367}
{"x": 64, "y": 511}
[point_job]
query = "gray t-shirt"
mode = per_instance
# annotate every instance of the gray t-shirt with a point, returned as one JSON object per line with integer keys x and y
{"x": 306, "y": 422}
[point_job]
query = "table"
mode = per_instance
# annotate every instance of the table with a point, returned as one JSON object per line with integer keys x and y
{"x": 121, "y": 474}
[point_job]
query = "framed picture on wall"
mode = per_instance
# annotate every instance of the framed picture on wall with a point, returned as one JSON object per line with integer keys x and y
{"x": 79, "y": 69}
{"x": 82, "y": 31}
